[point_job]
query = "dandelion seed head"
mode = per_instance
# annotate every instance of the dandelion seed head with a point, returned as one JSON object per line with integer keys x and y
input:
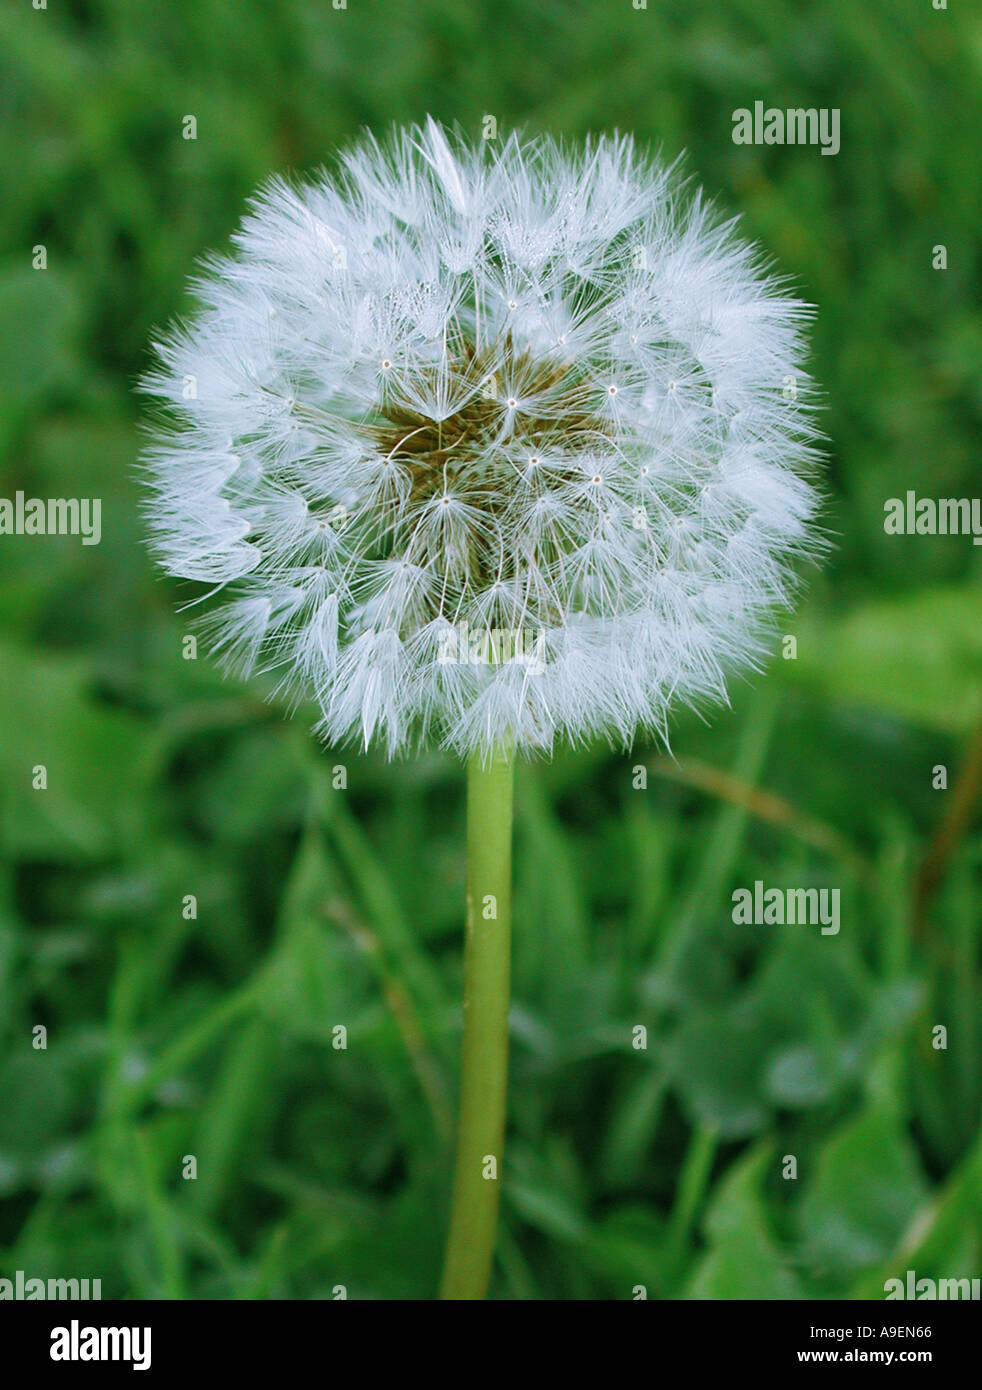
{"x": 518, "y": 387}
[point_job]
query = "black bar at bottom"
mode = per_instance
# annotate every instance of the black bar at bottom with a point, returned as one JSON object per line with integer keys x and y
{"x": 168, "y": 1339}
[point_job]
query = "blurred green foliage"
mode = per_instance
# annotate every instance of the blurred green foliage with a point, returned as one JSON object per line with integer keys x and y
{"x": 317, "y": 907}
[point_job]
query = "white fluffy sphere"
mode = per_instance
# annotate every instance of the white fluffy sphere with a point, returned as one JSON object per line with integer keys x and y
{"x": 487, "y": 445}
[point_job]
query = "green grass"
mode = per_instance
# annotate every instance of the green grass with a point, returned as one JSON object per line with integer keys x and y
{"x": 317, "y": 908}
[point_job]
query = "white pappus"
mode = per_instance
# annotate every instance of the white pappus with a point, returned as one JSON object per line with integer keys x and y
{"x": 517, "y": 389}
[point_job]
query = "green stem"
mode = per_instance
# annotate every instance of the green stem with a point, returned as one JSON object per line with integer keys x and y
{"x": 484, "y": 1064}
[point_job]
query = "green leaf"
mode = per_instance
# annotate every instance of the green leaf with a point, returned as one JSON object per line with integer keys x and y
{"x": 916, "y": 658}
{"x": 716, "y": 1061}
{"x": 91, "y": 753}
{"x": 743, "y": 1261}
{"x": 865, "y": 1188}
{"x": 34, "y": 1114}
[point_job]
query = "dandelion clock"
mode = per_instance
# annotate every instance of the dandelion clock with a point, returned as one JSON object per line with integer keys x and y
{"x": 486, "y": 448}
